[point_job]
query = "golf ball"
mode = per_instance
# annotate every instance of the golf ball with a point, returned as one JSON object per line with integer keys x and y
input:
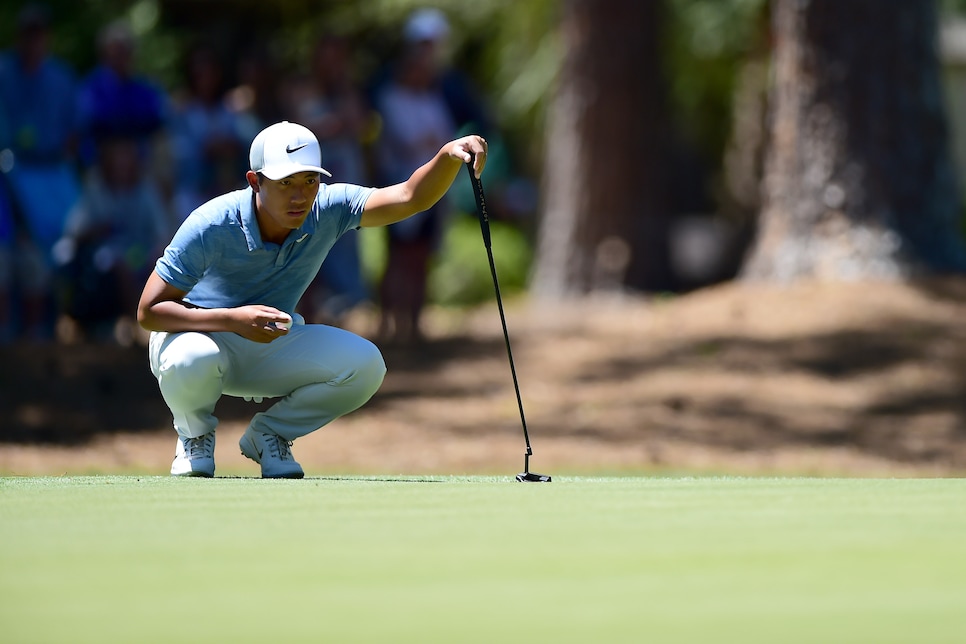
{"x": 284, "y": 324}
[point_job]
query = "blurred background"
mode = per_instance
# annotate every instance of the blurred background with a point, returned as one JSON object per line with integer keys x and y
{"x": 754, "y": 165}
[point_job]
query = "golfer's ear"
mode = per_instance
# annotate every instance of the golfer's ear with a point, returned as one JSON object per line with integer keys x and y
{"x": 252, "y": 180}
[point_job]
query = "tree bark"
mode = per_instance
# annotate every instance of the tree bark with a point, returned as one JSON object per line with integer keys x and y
{"x": 859, "y": 181}
{"x": 604, "y": 219}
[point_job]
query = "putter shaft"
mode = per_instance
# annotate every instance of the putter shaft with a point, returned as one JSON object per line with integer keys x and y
{"x": 487, "y": 242}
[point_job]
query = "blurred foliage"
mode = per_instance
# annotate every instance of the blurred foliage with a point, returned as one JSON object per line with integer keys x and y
{"x": 510, "y": 48}
{"x": 75, "y": 26}
{"x": 461, "y": 274}
{"x": 951, "y": 7}
{"x": 372, "y": 254}
{"x": 705, "y": 43}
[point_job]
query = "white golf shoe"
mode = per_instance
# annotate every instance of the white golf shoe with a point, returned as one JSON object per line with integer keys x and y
{"x": 272, "y": 453}
{"x": 194, "y": 456}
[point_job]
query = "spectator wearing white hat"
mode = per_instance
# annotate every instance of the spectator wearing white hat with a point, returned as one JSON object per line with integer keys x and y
{"x": 416, "y": 120}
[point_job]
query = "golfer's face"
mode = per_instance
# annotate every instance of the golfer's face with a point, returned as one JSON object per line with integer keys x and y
{"x": 288, "y": 201}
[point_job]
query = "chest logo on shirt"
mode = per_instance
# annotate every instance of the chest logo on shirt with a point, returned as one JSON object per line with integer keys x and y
{"x": 301, "y": 238}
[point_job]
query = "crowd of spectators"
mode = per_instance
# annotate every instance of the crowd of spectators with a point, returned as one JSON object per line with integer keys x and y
{"x": 97, "y": 170}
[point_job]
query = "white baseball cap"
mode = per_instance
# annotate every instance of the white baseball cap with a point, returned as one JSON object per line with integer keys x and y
{"x": 284, "y": 149}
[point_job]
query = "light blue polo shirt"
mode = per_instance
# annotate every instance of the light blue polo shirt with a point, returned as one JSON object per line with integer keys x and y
{"x": 218, "y": 255}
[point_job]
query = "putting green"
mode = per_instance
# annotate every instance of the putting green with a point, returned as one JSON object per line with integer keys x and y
{"x": 128, "y": 559}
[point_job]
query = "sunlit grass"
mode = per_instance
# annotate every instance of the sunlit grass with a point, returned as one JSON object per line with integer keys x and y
{"x": 482, "y": 559}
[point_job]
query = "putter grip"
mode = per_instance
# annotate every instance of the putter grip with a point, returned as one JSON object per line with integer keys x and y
{"x": 480, "y": 203}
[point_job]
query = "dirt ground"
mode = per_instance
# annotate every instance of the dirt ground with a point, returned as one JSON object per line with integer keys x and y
{"x": 846, "y": 379}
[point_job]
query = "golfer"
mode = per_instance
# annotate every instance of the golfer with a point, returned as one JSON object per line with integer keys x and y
{"x": 220, "y": 302}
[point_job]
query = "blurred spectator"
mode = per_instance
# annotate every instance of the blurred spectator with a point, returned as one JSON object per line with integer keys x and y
{"x": 430, "y": 26}
{"x": 112, "y": 237}
{"x": 7, "y": 241}
{"x": 7, "y": 235}
{"x": 256, "y": 100}
{"x": 416, "y": 122}
{"x": 36, "y": 159}
{"x": 114, "y": 101}
{"x": 206, "y": 147}
{"x": 332, "y": 105}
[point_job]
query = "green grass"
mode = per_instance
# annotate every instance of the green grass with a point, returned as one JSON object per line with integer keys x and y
{"x": 127, "y": 559}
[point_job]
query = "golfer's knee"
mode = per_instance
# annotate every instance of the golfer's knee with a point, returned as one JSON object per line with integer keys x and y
{"x": 372, "y": 369}
{"x": 359, "y": 383}
{"x": 191, "y": 370}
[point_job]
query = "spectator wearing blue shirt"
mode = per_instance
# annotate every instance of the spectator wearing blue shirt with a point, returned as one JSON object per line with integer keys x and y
{"x": 7, "y": 263}
{"x": 111, "y": 239}
{"x": 220, "y": 300}
{"x": 205, "y": 135}
{"x": 416, "y": 120}
{"x": 115, "y": 102}
{"x": 331, "y": 104}
{"x": 37, "y": 94}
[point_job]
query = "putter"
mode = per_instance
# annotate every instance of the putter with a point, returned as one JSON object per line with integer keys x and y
{"x": 526, "y": 476}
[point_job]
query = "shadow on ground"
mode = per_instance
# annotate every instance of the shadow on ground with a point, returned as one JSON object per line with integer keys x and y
{"x": 893, "y": 389}
{"x": 66, "y": 395}
{"x": 876, "y": 372}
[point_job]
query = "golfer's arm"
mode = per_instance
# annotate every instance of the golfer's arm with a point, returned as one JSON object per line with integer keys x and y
{"x": 420, "y": 192}
{"x": 162, "y": 308}
{"x": 426, "y": 185}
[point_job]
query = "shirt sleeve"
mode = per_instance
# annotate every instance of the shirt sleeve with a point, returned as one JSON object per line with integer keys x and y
{"x": 184, "y": 262}
{"x": 354, "y": 200}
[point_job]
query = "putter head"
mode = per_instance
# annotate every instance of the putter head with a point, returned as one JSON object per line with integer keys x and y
{"x": 533, "y": 477}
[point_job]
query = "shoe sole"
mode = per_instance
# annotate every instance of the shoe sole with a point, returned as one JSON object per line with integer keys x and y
{"x": 204, "y": 475}
{"x": 293, "y": 475}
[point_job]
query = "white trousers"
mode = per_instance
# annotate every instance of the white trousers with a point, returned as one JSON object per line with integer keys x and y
{"x": 319, "y": 373}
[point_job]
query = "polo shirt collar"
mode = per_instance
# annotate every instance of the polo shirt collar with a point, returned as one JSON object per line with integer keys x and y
{"x": 249, "y": 222}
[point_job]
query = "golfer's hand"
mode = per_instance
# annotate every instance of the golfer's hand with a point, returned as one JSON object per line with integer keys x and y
{"x": 256, "y": 322}
{"x": 470, "y": 148}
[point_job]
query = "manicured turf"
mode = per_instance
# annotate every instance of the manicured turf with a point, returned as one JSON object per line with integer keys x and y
{"x": 126, "y": 559}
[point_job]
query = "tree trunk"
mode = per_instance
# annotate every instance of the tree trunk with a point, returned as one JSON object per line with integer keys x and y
{"x": 859, "y": 181}
{"x": 604, "y": 222}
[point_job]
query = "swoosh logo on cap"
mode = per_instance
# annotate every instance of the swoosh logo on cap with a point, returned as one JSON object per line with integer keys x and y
{"x": 290, "y": 149}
